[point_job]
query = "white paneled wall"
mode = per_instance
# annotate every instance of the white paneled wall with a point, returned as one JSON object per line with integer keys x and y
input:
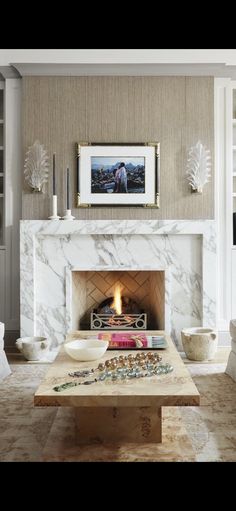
{"x": 10, "y": 275}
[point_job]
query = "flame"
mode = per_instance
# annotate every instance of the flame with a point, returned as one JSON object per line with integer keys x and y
{"x": 117, "y": 303}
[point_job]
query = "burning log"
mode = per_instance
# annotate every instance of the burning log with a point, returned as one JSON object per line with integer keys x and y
{"x": 118, "y": 312}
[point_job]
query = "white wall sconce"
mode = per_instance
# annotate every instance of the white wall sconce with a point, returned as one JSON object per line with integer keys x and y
{"x": 36, "y": 167}
{"x": 198, "y": 167}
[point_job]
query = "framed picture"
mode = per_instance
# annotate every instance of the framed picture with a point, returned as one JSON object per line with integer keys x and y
{"x": 118, "y": 174}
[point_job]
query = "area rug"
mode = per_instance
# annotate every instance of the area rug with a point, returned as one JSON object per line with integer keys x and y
{"x": 211, "y": 428}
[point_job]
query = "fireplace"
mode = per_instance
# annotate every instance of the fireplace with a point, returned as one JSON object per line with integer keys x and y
{"x": 179, "y": 258}
{"x": 118, "y": 300}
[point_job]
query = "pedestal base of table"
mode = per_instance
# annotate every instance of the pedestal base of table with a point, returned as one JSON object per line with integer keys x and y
{"x": 123, "y": 424}
{"x": 62, "y": 442}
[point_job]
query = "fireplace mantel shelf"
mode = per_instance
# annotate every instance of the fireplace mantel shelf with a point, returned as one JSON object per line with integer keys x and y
{"x": 52, "y": 250}
{"x": 62, "y": 227}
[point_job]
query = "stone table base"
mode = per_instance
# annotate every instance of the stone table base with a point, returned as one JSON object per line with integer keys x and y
{"x": 62, "y": 443}
{"x": 123, "y": 424}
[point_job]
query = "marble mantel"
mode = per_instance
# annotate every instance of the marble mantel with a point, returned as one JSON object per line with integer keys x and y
{"x": 51, "y": 250}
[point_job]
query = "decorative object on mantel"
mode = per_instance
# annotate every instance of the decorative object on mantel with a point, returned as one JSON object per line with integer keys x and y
{"x": 36, "y": 167}
{"x": 198, "y": 167}
{"x": 68, "y": 215}
{"x": 54, "y": 196}
{"x": 118, "y": 174}
{"x": 121, "y": 368}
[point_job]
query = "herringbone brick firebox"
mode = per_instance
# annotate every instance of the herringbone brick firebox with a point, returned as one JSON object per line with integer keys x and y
{"x": 90, "y": 288}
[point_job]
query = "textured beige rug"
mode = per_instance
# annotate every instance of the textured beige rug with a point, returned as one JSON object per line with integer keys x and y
{"x": 211, "y": 427}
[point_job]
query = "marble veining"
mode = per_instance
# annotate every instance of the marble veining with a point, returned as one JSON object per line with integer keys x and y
{"x": 50, "y": 251}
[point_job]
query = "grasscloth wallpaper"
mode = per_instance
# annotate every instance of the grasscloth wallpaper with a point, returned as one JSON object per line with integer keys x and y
{"x": 176, "y": 111}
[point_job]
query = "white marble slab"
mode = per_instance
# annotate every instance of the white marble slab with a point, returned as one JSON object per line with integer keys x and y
{"x": 50, "y": 251}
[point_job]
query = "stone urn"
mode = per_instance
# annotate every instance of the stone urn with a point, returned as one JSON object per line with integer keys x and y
{"x": 33, "y": 348}
{"x": 199, "y": 343}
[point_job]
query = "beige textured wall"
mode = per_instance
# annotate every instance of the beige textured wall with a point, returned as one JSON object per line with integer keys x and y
{"x": 176, "y": 111}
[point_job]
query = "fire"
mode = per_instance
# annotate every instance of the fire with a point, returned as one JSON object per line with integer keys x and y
{"x": 117, "y": 303}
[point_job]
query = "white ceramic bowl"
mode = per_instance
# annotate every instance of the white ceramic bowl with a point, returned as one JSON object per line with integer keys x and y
{"x": 86, "y": 349}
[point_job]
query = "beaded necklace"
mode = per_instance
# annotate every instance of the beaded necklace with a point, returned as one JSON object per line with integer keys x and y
{"x": 121, "y": 368}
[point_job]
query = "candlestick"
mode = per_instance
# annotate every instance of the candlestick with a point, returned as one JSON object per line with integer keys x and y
{"x": 68, "y": 189}
{"x": 68, "y": 215}
{"x": 54, "y": 209}
{"x": 54, "y": 175}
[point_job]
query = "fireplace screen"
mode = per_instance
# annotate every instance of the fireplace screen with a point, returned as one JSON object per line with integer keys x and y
{"x": 118, "y": 313}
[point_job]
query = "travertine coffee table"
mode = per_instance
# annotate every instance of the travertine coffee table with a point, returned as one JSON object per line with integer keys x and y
{"x": 129, "y": 411}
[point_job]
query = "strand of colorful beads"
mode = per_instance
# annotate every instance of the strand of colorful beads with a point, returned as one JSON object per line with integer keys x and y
{"x": 121, "y": 368}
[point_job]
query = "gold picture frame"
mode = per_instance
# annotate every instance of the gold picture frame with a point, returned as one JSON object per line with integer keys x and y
{"x": 149, "y": 152}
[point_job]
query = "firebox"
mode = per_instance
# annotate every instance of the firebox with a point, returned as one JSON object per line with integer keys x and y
{"x": 118, "y": 300}
{"x": 118, "y": 313}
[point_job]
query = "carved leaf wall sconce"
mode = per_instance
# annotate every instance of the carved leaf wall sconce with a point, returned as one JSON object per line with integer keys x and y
{"x": 36, "y": 167}
{"x": 198, "y": 167}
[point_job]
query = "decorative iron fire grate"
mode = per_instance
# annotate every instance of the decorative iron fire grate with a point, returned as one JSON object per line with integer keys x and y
{"x": 118, "y": 322}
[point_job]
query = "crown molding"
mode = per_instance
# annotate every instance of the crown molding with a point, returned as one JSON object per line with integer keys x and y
{"x": 9, "y": 72}
{"x": 36, "y": 69}
{"x": 118, "y": 56}
{"x": 123, "y": 62}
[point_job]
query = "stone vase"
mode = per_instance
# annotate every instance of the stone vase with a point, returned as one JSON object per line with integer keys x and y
{"x": 199, "y": 343}
{"x": 33, "y": 348}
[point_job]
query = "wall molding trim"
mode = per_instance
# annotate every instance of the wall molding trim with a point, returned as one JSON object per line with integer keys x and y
{"x": 13, "y": 168}
{"x": 123, "y": 69}
{"x": 223, "y": 137}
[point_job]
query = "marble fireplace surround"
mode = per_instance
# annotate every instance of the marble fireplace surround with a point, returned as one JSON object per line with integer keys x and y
{"x": 51, "y": 250}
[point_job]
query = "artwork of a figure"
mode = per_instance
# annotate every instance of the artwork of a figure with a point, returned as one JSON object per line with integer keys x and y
{"x": 109, "y": 175}
{"x": 123, "y": 178}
